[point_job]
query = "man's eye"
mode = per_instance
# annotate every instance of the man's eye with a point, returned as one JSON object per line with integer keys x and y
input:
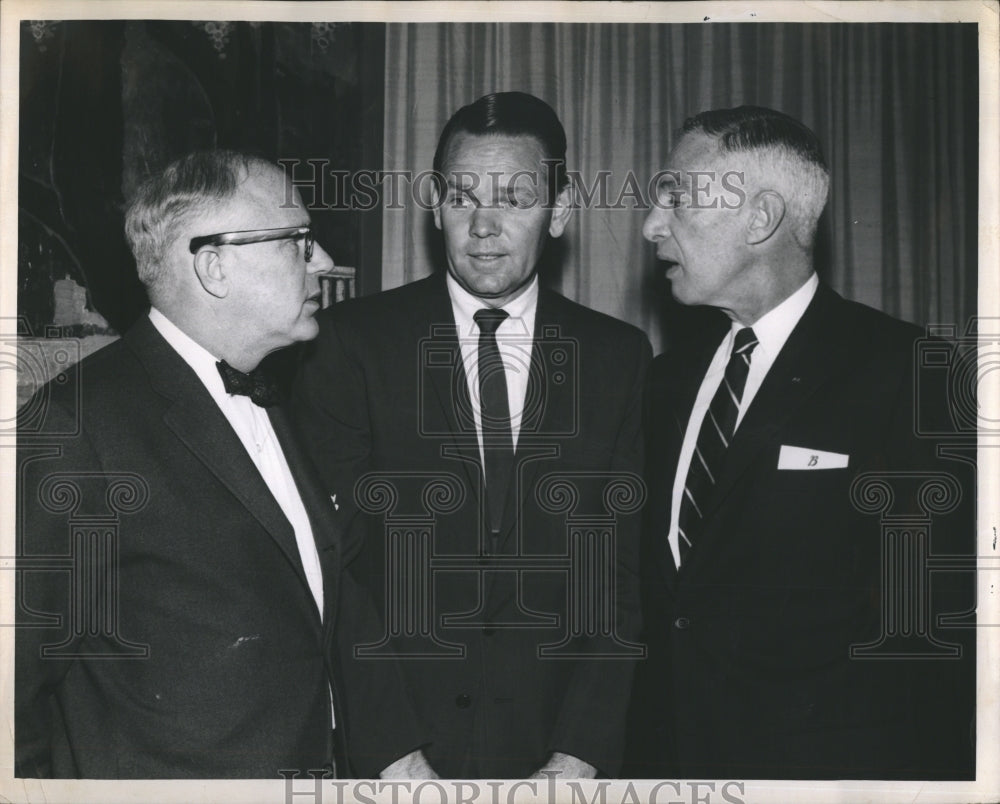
{"x": 669, "y": 197}
{"x": 461, "y": 200}
{"x": 519, "y": 200}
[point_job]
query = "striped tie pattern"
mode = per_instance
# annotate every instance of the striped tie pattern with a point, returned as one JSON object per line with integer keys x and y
{"x": 716, "y": 432}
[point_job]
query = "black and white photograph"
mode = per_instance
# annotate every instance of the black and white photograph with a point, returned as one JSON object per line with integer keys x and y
{"x": 497, "y": 402}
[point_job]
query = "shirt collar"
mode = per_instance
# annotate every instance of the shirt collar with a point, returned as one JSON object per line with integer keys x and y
{"x": 773, "y": 328}
{"x": 465, "y": 305}
{"x": 194, "y": 354}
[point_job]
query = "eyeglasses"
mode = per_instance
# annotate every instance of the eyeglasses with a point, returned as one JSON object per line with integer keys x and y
{"x": 249, "y": 236}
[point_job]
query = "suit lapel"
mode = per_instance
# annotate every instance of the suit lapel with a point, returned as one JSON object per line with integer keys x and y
{"x": 808, "y": 359}
{"x": 318, "y": 505}
{"x": 449, "y": 383}
{"x": 546, "y": 404}
{"x": 672, "y": 395}
{"x": 198, "y": 423}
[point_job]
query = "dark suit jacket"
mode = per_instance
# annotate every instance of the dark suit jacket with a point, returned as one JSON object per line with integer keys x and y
{"x": 383, "y": 391}
{"x": 214, "y": 662}
{"x": 750, "y": 673}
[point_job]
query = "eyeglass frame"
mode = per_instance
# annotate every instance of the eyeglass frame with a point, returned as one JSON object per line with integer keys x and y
{"x": 249, "y": 236}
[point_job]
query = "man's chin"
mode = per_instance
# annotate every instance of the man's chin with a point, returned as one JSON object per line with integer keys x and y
{"x": 496, "y": 291}
{"x": 307, "y": 330}
{"x": 683, "y": 295}
{"x": 677, "y": 290}
{"x": 487, "y": 286}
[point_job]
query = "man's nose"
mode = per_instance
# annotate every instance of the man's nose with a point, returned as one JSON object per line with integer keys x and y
{"x": 656, "y": 226}
{"x": 485, "y": 222}
{"x": 320, "y": 260}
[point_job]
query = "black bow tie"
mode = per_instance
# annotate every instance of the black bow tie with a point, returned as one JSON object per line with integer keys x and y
{"x": 258, "y": 385}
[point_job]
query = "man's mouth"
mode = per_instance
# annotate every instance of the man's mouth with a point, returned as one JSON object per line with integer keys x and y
{"x": 486, "y": 256}
{"x": 662, "y": 254}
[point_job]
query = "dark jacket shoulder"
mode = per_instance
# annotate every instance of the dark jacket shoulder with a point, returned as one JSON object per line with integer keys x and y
{"x": 850, "y": 327}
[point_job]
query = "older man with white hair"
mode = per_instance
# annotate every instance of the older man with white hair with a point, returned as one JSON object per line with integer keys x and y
{"x": 209, "y": 627}
{"x": 769, "y": 594}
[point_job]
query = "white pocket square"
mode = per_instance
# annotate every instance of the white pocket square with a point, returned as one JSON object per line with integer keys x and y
{"x": 805, "y": 458}
{"x": 333, "y": 499}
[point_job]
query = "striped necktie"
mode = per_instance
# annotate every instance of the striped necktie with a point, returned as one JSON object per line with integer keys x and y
{"x": 716, "y": 432}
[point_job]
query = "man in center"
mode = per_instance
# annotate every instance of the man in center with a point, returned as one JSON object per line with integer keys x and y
{"x": 515, "y": 622}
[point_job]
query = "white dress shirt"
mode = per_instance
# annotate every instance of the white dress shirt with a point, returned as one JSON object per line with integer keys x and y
{"x": 253, "y": 427}
{"x": 514, "y": 339}
{"x": 772, "y": 330}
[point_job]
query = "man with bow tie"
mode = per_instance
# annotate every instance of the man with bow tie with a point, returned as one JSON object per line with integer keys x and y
{"x": 767, "y": 585}
{"x": 225, "y": 648}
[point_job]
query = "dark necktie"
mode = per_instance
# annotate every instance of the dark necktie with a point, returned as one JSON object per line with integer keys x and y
{"x": 494, "y": 413}
{"x": 258, "y": 385}
{"x": 716, "y": 432}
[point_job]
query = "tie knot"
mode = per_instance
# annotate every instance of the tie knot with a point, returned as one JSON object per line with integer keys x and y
{"x": 258, "y": 385}
{"x": 489, "y": 319}
{"x": 745, "y": 342}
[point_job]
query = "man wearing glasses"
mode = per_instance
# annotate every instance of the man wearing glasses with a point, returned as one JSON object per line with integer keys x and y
{"x": 225, "y": 649}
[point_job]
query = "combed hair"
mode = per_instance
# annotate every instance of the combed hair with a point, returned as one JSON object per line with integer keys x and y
{"x": 512, "y": 114}
{"x": 181, "y": 191}
{"x": 787, "y": 153}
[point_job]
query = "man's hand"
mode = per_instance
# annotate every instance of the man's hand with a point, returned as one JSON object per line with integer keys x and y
{"x": 413, "y": 766}
{"x": 565, "y": 766}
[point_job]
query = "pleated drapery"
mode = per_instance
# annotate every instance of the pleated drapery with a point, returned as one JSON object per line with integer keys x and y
{"x": 894, "y": 105}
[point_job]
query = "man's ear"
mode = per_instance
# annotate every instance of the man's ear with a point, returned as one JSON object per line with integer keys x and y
{"x": 208, "y": 269}
{"x": 561, "y": 210}
{"x": 436, "y": 202}
{"x": 767, "y": 210}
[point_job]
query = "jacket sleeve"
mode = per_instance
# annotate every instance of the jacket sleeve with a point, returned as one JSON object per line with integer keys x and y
{"x": 329, "y": 410}
{"x": 44, "y": 607}
{"x": 381, "y": 725}
{"x": 591, "y": 723}
{"x": 925, "y": 438}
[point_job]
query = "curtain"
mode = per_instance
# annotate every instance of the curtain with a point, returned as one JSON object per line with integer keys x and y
{"x": 894, "y": 105}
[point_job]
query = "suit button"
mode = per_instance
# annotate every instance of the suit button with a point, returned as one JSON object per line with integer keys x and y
{"x": 489, "y": 630}
{"x": 463, "y": 701}
{"x": 682, "y": 623}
